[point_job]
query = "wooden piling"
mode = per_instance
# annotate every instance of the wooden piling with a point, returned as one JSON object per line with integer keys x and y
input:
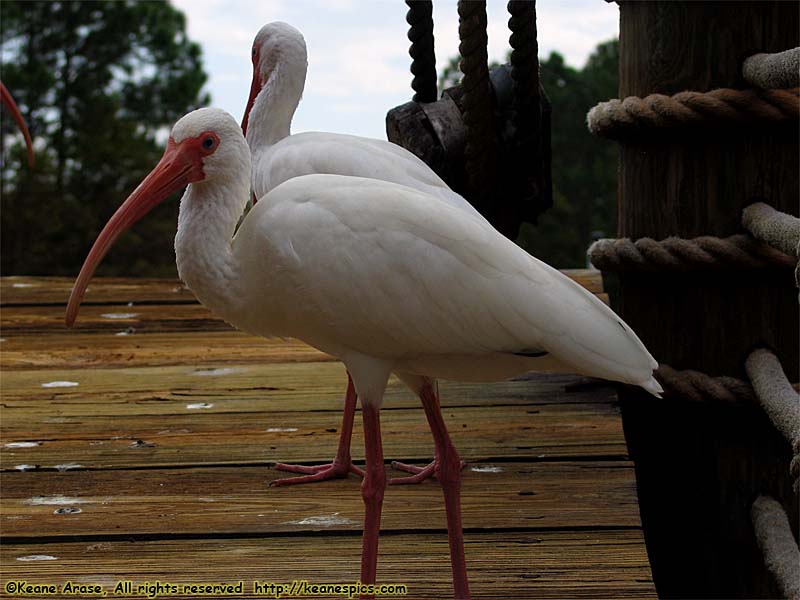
{"x": 699, "y": 467}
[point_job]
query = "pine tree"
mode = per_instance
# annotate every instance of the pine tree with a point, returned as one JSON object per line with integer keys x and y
{"x": 98, "y": 83}
{"x": 584, "y": 167}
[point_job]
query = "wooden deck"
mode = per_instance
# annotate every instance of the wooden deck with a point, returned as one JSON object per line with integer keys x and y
{"x": 138, "y": 446}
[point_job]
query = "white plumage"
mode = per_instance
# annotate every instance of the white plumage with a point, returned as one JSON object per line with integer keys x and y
{"x": 279, "y": 74}
{"x": 383, "y": 276}
{"x": 437, "y": 293}
{"x": 280, "y": 63}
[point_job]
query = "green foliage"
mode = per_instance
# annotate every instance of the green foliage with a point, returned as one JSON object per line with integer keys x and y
{"x": 97, "y": 82}
{"x": 584, "y": 167}
{"x": 451, "y": 74}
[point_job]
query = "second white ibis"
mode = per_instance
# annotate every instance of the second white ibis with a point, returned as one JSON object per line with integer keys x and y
{"x": 280, "y": 62}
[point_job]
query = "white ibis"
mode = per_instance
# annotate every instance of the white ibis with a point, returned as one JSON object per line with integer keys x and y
{"x": 8, "y": 101}
{"x": 379, "y": 275}
{"x": 280, "y": 62}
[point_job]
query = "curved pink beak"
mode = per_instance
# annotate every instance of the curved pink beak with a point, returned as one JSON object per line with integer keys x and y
{"x": 8, "y": 100}
{"x": 255, "y": 88}
{"x": 177, "y": 168}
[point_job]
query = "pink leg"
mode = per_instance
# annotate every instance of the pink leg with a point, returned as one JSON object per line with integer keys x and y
{"x": 419, "y": 474}
{"x": 342, "y": 464}
{"x": 447, "y": 468}
{"x": 372, "y": 489}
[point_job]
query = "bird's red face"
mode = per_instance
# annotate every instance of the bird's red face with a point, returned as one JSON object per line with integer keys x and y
{"x": 181, "y": 164}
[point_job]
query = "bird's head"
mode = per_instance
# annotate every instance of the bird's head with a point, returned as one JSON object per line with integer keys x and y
{"x": 278, "y": 52}
{"x": 206, "y": 146}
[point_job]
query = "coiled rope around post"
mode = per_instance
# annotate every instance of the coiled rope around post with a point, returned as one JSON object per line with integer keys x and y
{"x": 699, "y": 387}
{"x": 617, "y": 119}
{"x": 779, "y": 230}
{"x": 480, "y": 147}
{"x": 680, "y": 254}
{"x": 779, "y": 400}
{"x": 778, "y": 70}
{"x": 423, "y": 56}
{"x": 774, "y": 537}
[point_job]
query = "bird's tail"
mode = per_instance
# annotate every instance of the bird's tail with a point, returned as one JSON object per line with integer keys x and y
{"x": 652, "y": 386}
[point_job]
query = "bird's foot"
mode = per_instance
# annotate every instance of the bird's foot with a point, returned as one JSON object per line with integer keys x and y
{"x": 419, "y": 474}
{"x": 338, "y": 469}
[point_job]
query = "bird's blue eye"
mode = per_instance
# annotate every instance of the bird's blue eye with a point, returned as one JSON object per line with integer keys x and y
{"x": 208, "y": 143}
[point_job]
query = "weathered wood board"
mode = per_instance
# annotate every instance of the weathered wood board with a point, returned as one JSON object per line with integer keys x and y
{"x": 236, "y": 500}
{"x": 547, "y": 564}
{"x": 156, "y": 465}
{"x": 41, "y": 291}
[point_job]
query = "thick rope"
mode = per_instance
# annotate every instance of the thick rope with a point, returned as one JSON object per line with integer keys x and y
{"x": 680, "y": 254}
{"x": 525, "y": 70}
{"x": 773, "y": 390}
{"x": 618, "y": 119}
{"x": 774, "y": 537}
{"x": 779, "y": 230}
{"x": 699, "y": 387}
{"x": 480, "y": 147}
{"x": 771, "y": 71}
{"x": 423, "y": 57}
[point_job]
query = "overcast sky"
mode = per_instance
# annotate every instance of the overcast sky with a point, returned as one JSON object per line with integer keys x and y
{"x": 358, "y": 50}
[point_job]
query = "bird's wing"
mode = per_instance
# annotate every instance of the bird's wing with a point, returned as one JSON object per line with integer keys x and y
{"x": 339, "y": 154}
{"x": 385, "y": 271}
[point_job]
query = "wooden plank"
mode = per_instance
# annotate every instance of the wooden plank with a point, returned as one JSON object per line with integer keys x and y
{"x": 215, "y": 436}
{"x": 71, "y": 350}
{"x": 238, "y": 414}
{"x": 228, "y": 500}
{"x": 121, "y": 320}
{"x": 144, "y": 318}
{"x": 591, "y": 279}
{"x": 118, "y": 319}
{"x": 120, "y": 290}
{"x": 286, "y": 386}
{"x": 547, "y": 564}
{"x": 115, "y": 391}
{"x": 101, "y": 290}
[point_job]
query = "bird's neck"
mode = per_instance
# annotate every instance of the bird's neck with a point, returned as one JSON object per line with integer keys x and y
{"x": 207, "y": 220}
{"x": 271, "y": 116}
